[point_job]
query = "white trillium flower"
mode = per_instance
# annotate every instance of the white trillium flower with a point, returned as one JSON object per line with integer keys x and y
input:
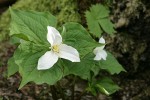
{"x": 58, "y": 50}
{"x": 99, "y": 51}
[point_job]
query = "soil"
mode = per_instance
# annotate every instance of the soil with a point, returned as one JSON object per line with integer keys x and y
{"x": 133, "y": 35}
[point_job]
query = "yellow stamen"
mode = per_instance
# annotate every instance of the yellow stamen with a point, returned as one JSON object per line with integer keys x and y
{"x": 55, "y": 48}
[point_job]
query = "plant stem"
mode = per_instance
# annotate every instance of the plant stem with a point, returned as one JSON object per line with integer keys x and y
{"x": 72, "y": 87}
{"x": 54, "y": 94}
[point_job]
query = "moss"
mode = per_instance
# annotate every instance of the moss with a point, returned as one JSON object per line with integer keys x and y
{"x": 64, "y": 10}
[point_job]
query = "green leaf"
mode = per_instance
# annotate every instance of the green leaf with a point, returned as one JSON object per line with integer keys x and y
{"x": 26, "y": 57}
{"x": 111, "y": 64}
{"x": 12, "y": 67}
{"x": 92, "y": 90}
{"x": 107, "y": 26}
{"x": 81, "y": 69}
{"x": 107, "y": 86}
{"x": 98, "y": 21}
{"x": 96, "y": 68}
{"x": 93, "y": 25}
{"x": 14, "y": 40}
{"x": 99, "y": 11}
{"x": 31, "y": 25}
{"x": 76, "y": 36}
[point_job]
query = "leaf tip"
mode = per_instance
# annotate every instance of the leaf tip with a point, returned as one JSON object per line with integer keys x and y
{"x": 10, "y": 9}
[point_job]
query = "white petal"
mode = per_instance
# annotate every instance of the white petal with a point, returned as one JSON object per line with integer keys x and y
{"x": 97, "y": 57}
{"x": 69, "y": 53}
{"x": 102, "y": 40}
{"x": 53, "y": 36}
{"x": 47, "y": 60}
{"x": 101, "y": 55}
{"x": 97, "y": 49}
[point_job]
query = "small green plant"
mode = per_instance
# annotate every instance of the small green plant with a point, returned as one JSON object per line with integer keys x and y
{"x": 41, "y": 42}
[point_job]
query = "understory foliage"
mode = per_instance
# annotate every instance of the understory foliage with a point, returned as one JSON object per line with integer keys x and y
{"x": 29, "y": 30}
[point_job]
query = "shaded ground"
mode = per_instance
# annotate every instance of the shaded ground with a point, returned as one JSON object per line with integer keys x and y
{"x": 4, "y": 4}
{"x": 130, "y": 46}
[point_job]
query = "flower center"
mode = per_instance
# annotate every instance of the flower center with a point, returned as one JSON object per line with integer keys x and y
{"x": 55, "y": 48}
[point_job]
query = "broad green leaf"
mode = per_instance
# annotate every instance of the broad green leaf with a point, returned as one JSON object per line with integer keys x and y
{"x": 104, "y": 85}
{"x": 107, "y": 86}
{"x": 12, "y": 67}
{"x": 93, "y": 25}
{"x": 15, "y": 40}
{"x": 111, "y": 64}
{"x": 31, "y": 25}
{"x": 99, "y": 11}
{"x": 81, "y": 69}
{"x": 26, "y": 57}
{"x": 79, "y": 38}
{"x": 107, "y": 26}
{"x": 98, "y": 21}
